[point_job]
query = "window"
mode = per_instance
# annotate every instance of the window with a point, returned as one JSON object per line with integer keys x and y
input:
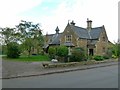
{"x": 68, "y": 38}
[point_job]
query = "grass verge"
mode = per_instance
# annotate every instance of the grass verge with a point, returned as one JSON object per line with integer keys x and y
{"x": 30, "y": 58}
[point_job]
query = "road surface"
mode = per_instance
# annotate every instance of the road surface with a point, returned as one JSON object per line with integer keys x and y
{"x": 102, "y": 77}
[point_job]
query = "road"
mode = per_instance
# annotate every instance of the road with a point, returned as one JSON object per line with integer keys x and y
{"x": 103, "y": 77}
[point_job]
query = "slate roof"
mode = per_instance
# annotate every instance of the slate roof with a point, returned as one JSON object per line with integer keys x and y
{"x": 95, "y": 32}
{"x": 83, "y": 33}
{"x": 55, "y": 40}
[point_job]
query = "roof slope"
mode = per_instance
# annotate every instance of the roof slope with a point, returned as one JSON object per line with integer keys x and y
{"x": 94, "y": 33}
{"x": 55, "y": 39}
{"x": 81, "y": 32}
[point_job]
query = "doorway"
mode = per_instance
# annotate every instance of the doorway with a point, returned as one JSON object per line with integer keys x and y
{"x": 91, "y": 53}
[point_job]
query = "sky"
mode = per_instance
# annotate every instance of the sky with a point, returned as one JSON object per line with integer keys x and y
{"x": 52, "y": 13}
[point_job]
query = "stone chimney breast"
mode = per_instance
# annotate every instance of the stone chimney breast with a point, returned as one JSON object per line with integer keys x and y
{"x": 89, "y": 24}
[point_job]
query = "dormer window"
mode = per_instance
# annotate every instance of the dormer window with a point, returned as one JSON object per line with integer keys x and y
{"x": 68, "y": 38}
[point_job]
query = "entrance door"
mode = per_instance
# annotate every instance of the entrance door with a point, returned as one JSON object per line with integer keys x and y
{"x": 91, "y": 52}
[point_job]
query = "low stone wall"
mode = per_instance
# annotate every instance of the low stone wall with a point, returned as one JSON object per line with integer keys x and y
{"x": 90, "y": 62}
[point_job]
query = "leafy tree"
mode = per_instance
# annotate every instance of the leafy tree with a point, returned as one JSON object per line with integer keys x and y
{"x": 7, "y": 35}
{"x": 13, "y": 50}
{"x": 27, "y": 45}
{"x": 31, "y": 36}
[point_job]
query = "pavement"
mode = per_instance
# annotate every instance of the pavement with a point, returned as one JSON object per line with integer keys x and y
{"x": 17, "y": 69}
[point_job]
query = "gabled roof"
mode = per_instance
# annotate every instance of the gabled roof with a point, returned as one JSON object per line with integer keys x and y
{"x": 94, "y": 33}
{"x": 55, "y": 40}
{"x": 81, "y": 32}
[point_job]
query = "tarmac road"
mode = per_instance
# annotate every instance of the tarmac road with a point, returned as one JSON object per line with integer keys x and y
{"x": 102, "y": 77}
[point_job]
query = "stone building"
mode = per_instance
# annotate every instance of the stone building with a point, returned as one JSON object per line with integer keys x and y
{"x": 93, "y": 40}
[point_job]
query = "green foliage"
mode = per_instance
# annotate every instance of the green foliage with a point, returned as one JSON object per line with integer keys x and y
{"x": 98, "y": 58}
{"x": 109, "y": 53}
{"x": 7, "y": 35}
{"x": 30, "y": 36}
{"x": 113, "y": 56}
{"x": 52, "y": 52}
{"x": 78, "y": 54}
{"x": 116, "y": 49}
{"x": 106, "y": 57}
{"x": 4, "y": 50}
{"x": 90, "y": 57}
{"x": 13, "y": 50}
{"x": 62, "y": 51}
{"x": 59, "y": 53}
{"x": 27, "y": 45}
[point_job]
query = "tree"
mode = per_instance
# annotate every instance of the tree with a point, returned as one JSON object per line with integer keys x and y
{"x": 13, "y": 50}
{"x": 31, "y": 36}
{"x": 8, "y": 35}
{"x": 27, "y": 45}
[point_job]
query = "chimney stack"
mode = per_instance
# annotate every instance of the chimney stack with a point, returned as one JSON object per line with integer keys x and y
{"x": 72, "y": 23}
{"x": 89, "y": 24}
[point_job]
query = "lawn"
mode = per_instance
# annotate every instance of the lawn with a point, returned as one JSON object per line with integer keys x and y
{"x": 30, "y": 58}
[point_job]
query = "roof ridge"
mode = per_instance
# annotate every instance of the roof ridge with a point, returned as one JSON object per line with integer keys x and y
{"x": 97, "y": 27}
{"x": 79, "y": 27}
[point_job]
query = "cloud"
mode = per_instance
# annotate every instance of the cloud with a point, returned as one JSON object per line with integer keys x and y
{"x": 10, "y": 10}
{"x": 101, "y": 12}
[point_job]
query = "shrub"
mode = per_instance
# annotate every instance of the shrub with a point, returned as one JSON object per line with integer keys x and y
{"x": 113, "y": 56}
{"x": 98, "y": 58}
{"x": 106, "y": 57}
{"x": 52, "y": 52}
{"x": 78, "y": 54}
{"x": 109, "y": 53}
{"x": 90, "y": 57}
{"x": 13, "y": 50}
{"x": 62, "y": 53}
